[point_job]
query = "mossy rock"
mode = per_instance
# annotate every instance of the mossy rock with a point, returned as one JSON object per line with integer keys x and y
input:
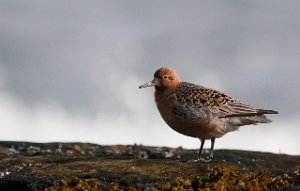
{"x": 81, "y": 166}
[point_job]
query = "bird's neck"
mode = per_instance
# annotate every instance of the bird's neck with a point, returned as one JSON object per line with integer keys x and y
{"x": 161, "y": 93}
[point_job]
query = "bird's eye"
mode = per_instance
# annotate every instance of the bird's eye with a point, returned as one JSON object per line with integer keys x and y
{"x": 168, "y": 77}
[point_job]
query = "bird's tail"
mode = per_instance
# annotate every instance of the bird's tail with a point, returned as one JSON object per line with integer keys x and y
{"x": 254, "y": 118}
{"x": 266, "y": 111}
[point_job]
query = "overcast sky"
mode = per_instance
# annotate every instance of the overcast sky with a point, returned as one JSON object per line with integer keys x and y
{"x": 70, "y": 70}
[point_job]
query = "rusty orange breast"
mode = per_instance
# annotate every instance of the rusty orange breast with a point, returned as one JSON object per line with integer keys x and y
{"x": 200, "y": 128}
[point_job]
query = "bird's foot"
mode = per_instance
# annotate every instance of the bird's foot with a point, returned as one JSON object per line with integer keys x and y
{"x": 204, "y": 160}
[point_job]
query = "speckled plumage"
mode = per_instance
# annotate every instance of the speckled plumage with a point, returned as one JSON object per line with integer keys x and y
{"x": 201, "y": 112}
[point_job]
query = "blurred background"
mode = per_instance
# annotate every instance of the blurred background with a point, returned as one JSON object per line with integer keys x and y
{"x": 70, "y": 70}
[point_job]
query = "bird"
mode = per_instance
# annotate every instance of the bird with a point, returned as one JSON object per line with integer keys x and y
{"x": 200, "y": 112}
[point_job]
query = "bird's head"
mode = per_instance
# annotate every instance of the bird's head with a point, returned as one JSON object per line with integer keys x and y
{"x": 164, "y": 78}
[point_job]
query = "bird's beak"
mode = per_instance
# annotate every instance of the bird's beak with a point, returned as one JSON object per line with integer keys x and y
{"x": 150, "y": 84}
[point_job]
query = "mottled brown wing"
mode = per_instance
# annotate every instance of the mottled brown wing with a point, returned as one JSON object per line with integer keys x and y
{"x": 199, "y": 96}
{"x": 198, "y": 102}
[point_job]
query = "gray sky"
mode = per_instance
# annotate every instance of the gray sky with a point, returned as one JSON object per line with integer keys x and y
{"x": 69, "y": 71}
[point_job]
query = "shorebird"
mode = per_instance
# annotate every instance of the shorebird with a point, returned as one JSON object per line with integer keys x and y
{"x": 198, "y": 111}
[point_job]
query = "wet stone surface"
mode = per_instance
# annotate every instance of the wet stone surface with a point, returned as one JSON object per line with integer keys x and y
{"x": 83, "y": 166}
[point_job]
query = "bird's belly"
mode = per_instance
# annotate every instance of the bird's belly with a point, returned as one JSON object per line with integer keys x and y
{"x": 200, "y": 128}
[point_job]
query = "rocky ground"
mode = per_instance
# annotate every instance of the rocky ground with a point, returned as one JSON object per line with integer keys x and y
{"x": 82, "y": 166}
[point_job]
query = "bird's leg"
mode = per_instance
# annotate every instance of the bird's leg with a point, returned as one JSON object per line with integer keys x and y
{"x": 201, "y": 148}
{"x": 211, "y": 153}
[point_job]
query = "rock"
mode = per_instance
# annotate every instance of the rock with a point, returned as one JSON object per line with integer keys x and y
{"x": 71, "y": 166}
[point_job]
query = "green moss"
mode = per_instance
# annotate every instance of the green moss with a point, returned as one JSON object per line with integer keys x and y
{"x": 7, "y": 159}
{"x": 154, "y": 168}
